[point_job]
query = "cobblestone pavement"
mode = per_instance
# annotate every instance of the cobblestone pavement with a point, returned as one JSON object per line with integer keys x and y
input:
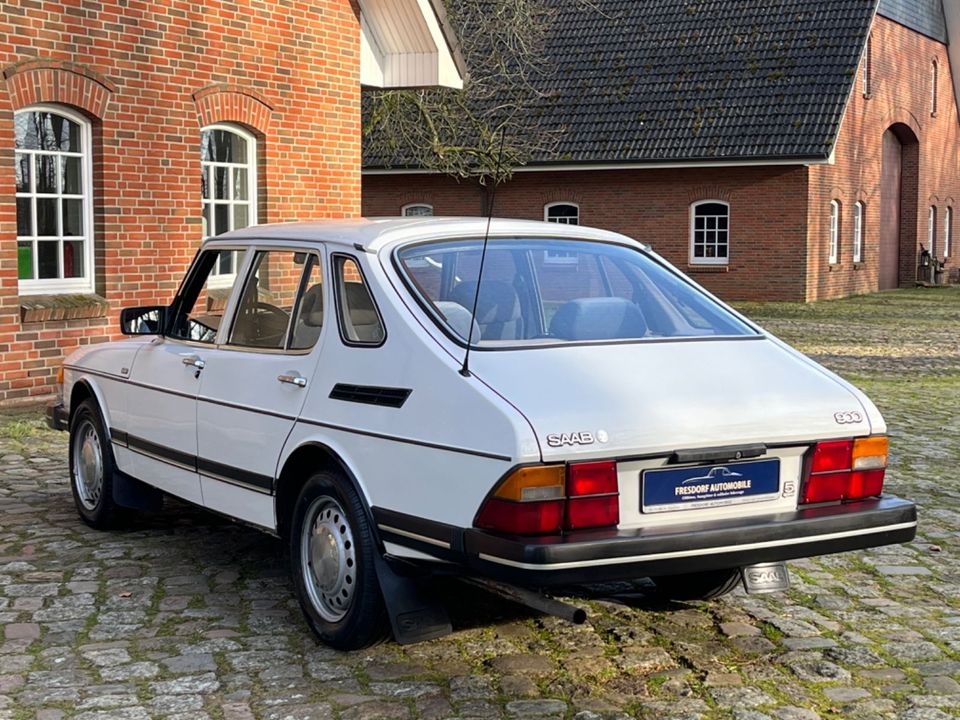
{"x": 188, "y": 616}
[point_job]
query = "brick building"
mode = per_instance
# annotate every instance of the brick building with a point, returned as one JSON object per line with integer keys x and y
{"x": 783, "y": 150}
{"x": 130, "y": 130}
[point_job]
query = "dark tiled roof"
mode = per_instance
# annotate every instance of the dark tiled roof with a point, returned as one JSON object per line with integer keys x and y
{"x": 643, "y": 81}
{"x": 924, "y": 16}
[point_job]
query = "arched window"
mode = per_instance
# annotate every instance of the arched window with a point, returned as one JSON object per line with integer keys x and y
{"x": 54, "y": 200}
{"x": 228, "y": 162}
{"x": 565, "y": 213}
{"x": 868, "y": 67}
{"x": 709, "y": 233}
{"x": 834, "y": 252}
{"x": 934, "y": 72}
{"x": 417, "y": 210}
{"x": 932, "y": 230}
{"x": 947, "y": 231}
{"x": 858, "y": 232}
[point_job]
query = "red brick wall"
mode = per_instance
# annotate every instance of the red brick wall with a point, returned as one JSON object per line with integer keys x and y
{"x": 149, "y": 75}
{"x": 899, "y": 93}
{"x": 767, "y": 214}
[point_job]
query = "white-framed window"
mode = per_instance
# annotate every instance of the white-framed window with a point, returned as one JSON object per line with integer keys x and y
{"x": 228, "y": 185}
{"x": 858, "y": 232}
{"x": 710, "y": 232}
{"x": 947, "y": 231}
{"x": 868, "y": 67}
{"x": 932, "y": 230}
{"x": 563, "y": 213}
{"x": 934, "y": 72}
{"x": 417, "y": 210}
{"x": 54, "y": 187}
{"x": 834, "y": 252}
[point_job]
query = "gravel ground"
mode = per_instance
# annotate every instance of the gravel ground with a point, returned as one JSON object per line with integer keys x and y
{"x": 189, "y": 616}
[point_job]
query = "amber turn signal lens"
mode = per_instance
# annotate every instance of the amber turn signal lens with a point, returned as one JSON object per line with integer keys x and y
{"x": 60, "y": 375}
{"x": 545, "y": 482}
{"x": 870, "y": 453}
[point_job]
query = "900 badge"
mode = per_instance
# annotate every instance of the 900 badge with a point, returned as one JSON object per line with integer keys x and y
{"x": 848, "y": 418}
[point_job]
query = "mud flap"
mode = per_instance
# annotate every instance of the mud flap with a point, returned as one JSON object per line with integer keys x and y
{"x": 413, "y": 617}
{"x": 131, "y": 493}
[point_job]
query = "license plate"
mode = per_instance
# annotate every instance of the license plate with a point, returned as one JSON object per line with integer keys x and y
{"x": 690, "y": 488}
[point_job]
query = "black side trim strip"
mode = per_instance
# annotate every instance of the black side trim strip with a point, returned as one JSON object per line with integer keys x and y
{"x": 370, "y": 394}
{"x": 247, "y": 408}
{"x": 407, "y": 441}
{"x": 442, "y": 532}
{"x": 208, "y": 468}
{"x": 219, "y": 471}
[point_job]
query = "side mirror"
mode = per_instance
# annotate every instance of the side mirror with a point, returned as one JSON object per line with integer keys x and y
{"x": 149, "y": 320}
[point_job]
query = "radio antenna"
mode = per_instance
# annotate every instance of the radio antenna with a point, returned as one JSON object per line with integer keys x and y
{"x": 465, "y": 370}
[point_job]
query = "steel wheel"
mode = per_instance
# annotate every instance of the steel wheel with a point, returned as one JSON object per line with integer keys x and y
{"x": 328, "y": 558}
{"x": 88, "y": 465}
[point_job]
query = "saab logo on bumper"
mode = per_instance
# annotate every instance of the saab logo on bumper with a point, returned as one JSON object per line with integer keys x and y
{"x": 577, "y": 438}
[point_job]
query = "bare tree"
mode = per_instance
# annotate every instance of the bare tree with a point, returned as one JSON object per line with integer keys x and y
{"x": 459, "y": 132}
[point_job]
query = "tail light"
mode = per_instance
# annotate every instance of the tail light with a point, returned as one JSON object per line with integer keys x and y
{"x": 549, "y": 499}
{"x": 846, "y": 470}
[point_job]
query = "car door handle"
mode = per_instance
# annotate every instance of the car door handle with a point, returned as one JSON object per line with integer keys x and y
{"x": 193, "y": 361}
{"x": 293, "y": 379}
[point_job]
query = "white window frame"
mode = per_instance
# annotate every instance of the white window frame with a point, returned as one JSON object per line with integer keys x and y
{"x": 858, "y": 232}
{"x": 834, "y": 250}
{"x": 934, "y": 77}
{"x": 404, "y": 211}
{"x": 554, "y": 257}
{"x": 932, "y": 230}
{"x": 867, "y": 63}
{"x": 217, "y": 278}
{"x": 693, "y": 234}
{"x": 947, "y": 231}
{"x": 59, "y": 286}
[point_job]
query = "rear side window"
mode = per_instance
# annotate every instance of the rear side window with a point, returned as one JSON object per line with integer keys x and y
{"x": 360, "y": 322}
{"x": 604, "y": 292}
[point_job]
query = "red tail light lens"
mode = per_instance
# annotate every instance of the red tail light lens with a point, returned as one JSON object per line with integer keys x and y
{"x": 546, "y": 500}
{"x": 846, "y": 470}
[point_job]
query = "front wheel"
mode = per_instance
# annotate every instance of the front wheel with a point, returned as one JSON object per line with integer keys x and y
{"x": 92, "y": 468}
{"x": 705, "y": 585}
{"x": 332, "y": 556}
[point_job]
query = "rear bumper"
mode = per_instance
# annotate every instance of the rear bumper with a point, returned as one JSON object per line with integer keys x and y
{"x": 594, "y": 556}
{"x": 57, "y": 416}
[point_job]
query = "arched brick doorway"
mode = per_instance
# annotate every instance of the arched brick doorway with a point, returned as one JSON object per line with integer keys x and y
{"x": 899, "y": 186}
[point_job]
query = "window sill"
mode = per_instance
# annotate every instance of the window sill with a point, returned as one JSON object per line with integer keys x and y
{"x": 46, "y": 308}
{"x": 707, "y": 268}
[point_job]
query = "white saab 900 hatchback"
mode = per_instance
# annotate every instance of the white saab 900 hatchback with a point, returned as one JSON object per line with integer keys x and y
{"x": 540, "y": 406}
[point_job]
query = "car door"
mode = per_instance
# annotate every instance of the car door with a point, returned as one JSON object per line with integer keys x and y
{"x": 165, "y": 377}
{"x": 254, "y": 383}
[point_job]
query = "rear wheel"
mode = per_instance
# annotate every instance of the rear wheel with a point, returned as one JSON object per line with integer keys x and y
{"x": 332, "y": 555}
{"x": 705, "y": 585}
{"x": 92, "y": 468}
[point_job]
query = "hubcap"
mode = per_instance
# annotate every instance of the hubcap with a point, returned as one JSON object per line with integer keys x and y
{"x": 87, "y": 465}
{"x": 328, "y": 558}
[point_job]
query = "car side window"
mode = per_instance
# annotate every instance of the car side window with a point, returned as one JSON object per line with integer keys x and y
{"x": 308, "y": 318}
{"x": 203, "y": 300}
{"x": 269, "y": 299}
{"x": 360, "y": 322}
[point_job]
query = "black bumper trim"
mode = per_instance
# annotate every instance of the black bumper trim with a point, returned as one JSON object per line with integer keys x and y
{"x": 594, "y": 556}
{"x": 57, "y": 416}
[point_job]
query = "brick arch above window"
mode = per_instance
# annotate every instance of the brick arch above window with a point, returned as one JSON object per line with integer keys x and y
{"x": 561, "y": 196}
{"x": 61, "y": 82}
{"x": 701, "y": 193}
{"x": 233, "y": 104}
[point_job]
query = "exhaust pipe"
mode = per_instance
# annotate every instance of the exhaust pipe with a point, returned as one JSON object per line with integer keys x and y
{"x": 536, "y": 601}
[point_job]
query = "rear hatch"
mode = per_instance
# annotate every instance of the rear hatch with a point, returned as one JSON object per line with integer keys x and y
{"x": 641, "y": 403}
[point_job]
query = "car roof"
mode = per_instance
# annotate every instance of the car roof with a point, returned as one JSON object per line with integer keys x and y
{"x": 375, "y": 233}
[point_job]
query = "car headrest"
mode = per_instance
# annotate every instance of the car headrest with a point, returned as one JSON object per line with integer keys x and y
{"x": 458, "y": 318}
{"x": 598, "y": 319}
{"x": 311, "y": 307}
{"x": 498, "y": 301}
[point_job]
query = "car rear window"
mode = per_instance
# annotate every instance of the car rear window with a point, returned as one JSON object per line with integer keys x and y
{"x": 542, "y": 291}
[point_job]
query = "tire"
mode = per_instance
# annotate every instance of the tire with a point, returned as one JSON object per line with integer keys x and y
{"x": 333, "y": 561}
{"x": 92, "y": 468}
{"x": 706, "y": 585}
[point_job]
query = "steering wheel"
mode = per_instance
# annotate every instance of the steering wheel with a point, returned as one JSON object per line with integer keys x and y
{"x": 270, "y": 323}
